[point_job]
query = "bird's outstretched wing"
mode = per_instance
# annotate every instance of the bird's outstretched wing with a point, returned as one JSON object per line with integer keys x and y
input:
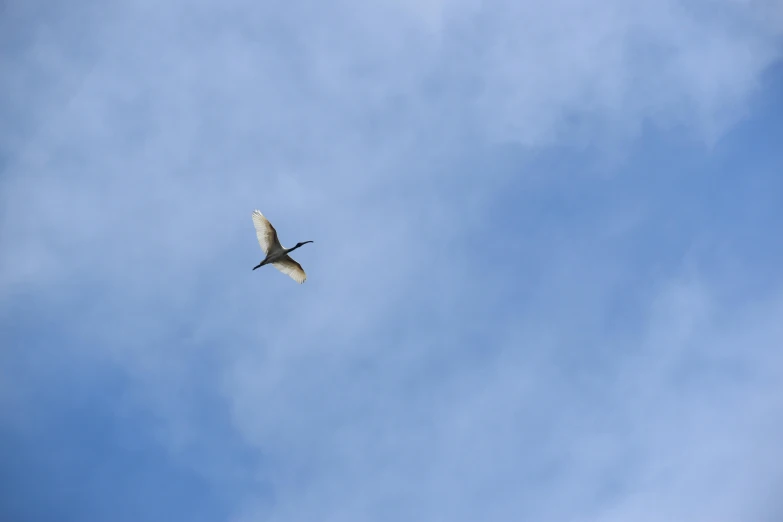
{"x": 266, "y": 233}
{"x": 290, "y": 268}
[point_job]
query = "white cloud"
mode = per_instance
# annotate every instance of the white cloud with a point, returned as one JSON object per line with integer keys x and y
{"x": 150, "y": 134}
{"x": 677, "y": 423}
{"x": 334, "y": 100}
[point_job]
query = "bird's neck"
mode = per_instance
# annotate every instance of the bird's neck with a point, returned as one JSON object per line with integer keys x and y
{"x": 287, "y": 250}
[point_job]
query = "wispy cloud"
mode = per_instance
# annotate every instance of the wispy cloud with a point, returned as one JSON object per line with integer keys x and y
{"x": 487, "y": 331}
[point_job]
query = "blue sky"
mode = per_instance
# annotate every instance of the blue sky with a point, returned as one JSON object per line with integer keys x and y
{"x": 545, "y": 283}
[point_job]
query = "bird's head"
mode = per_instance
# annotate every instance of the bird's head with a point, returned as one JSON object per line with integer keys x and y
{"x": 303, "y": 243}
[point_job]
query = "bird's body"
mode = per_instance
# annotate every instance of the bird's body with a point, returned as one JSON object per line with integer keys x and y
{"x": 276, "y": 255}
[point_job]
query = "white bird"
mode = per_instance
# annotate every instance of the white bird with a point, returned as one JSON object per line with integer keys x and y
{"x": 276, "y": 255}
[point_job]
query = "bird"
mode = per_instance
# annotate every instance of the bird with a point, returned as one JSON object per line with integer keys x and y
{"x": 276, "y": 255}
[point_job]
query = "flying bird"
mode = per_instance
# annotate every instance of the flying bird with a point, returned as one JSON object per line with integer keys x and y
{"x": 276, "y": 255}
